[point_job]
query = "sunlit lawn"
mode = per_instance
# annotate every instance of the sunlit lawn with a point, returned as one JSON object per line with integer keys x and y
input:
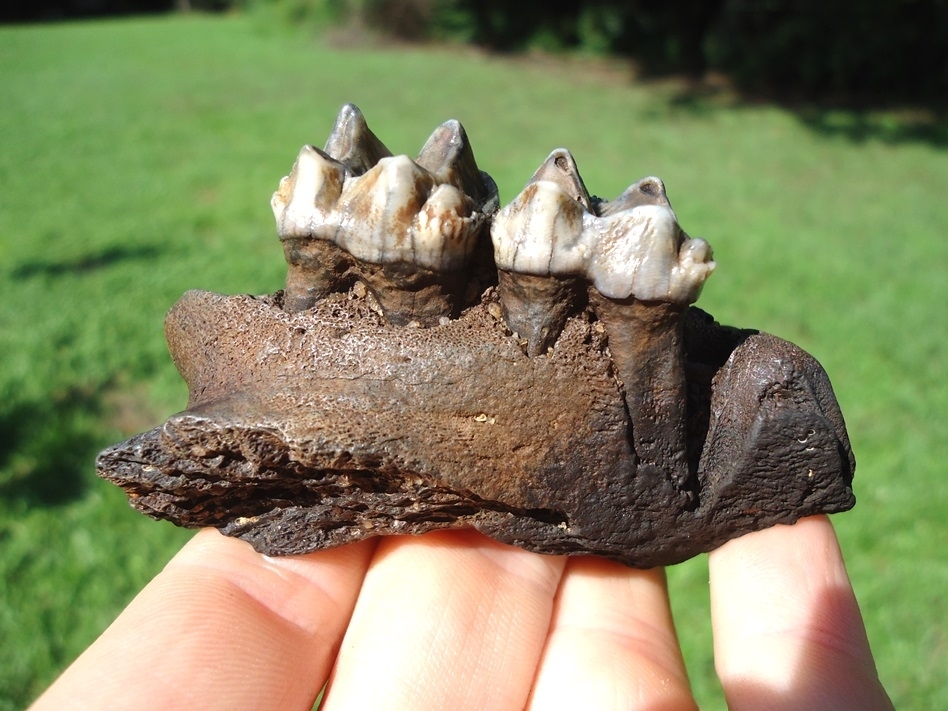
{"x": 137, "y": 161}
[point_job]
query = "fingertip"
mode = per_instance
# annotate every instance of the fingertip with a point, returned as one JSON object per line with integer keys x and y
{"x": 787, "y": 628}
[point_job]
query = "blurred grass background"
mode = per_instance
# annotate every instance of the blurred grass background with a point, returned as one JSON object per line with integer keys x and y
{"x": 138, "y": 157}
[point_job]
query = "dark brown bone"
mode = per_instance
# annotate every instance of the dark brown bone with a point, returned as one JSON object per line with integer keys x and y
{"x": 640, "y": 431}
{"x": 324, "y": 427}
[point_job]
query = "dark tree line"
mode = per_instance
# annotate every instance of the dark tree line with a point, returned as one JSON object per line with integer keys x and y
{"x": 867, "y": 51}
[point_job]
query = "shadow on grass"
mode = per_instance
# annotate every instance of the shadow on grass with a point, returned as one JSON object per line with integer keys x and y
{"x": 890, "y": 125}
{"x": 108, "y": 257}
{"x": 47, "y": 450}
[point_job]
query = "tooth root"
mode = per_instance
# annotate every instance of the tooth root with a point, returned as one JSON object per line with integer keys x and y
{"x": 560, "y": 168}
{"x": 315, "y": 269}
{"x": 645, "y": 341}
{"x": 536, "y": 308}
{"x": 447, "y": 155}
{"x": 301, "y": 205}
{"x": 352, "y": 143}
{"x": 647, "y": 191}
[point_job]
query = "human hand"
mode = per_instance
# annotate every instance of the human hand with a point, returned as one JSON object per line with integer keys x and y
{"x": 454, "y": 620}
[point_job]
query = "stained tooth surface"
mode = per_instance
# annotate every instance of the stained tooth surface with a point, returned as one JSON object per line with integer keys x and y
{"x": 302, "y": 206}
{"x": 647, "y": 191}
{"x": 308, "y": 194}
{"x": 448, "y": 156}
{"x": 560, "y": 168}
{"x": 355, "y": 212}
{"x": 352, "y": 142}
{"x": 639, "y": 251}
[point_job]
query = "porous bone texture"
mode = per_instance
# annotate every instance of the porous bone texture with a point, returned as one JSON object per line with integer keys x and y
{"x": 318, "y": 428}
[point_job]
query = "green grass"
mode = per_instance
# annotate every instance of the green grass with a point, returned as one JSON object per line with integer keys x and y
{"x": 137, "y": 161}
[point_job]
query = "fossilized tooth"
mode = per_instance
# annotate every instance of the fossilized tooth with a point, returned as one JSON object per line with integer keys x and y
{"x": 399, "y": 227}
{"x": 547, "y": 216}
{"x": 645, "y": 326}
{"x": 448, "y": 156}
{"x": 309, "y": 428}
{"x": 352, "y": 143}
{"x": 644, "y": 272}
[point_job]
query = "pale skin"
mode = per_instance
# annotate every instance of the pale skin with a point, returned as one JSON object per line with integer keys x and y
{"x": 454, "y": 620}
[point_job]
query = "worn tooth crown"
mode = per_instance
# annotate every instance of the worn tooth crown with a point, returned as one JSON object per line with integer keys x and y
{"x": 398, "y": 212}
{"x": 306, "y": 196}
{"x": 633, "y": 247}
{"x": 385, "y": 209}
{"x": 560, "y": 168}
{"x": 647, "y": 191}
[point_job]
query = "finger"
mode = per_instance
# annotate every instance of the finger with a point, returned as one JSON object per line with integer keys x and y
{"x": 221, "y": 627}
{"x": 448, "y": 620}
{"x": 787, "y": 628}
{"x": 612, "y": 643}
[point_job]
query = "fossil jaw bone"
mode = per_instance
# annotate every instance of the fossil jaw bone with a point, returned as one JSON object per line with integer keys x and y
{"x": 405, "y": 228}
{"x": 643, "y": 272}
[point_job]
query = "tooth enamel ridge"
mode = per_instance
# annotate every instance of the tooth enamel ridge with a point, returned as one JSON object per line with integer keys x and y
{"x": 354, "y": 212}
{"x": 631, "y": 247}
{"x": 549, "y": 385}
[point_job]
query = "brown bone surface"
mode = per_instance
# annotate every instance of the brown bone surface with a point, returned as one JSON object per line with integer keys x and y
{"x": 645, "y": 432}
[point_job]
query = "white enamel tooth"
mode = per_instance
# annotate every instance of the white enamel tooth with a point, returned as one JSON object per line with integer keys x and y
{"x": 355, "y": 212}
{"x": 539, "y": 252}
{"x": 307, "y": 195}
{"x": 560, "y": 168}
{"x": 352, "y": 142}
{"x": 445, "y": 230}
{"x": 376, "y": 210}
{"x": 632, "y": 253}
{"x": 541, "y": 233}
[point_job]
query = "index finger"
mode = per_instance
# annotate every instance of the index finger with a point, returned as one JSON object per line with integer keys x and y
{"x": 221, "y": 627}
{"x": 787, "y": 629}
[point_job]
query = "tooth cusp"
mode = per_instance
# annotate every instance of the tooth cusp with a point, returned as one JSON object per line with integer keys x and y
{"x": 352, "y": 142}
{"x": 637, "y": 251}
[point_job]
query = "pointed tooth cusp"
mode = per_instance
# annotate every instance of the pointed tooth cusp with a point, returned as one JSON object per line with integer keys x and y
{"x": 447, "y": 154}
{"x": 560, "y": 168}
{"x": 352, "y": 142}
